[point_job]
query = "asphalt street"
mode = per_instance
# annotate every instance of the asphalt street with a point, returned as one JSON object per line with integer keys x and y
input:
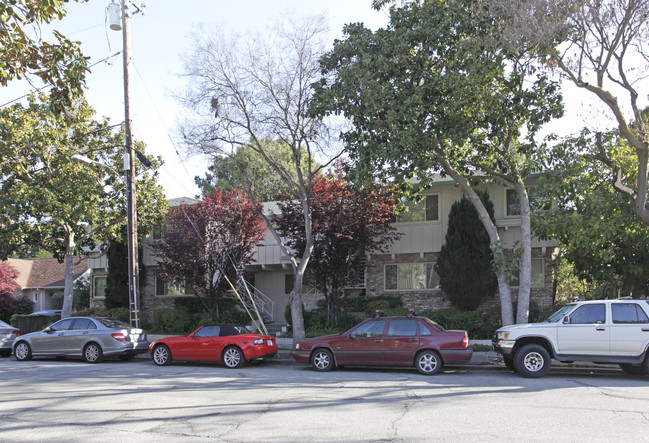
{"x": 276, "y": 401}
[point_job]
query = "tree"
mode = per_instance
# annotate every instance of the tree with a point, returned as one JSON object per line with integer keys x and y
{"x": 346, "y": 225}
{"x": 465, "y": 252}
{"x": 245, "y": 93}
{"x": 206, "y": 243}
{"x": 60, "y": 64}
{"x": 599, "y": 47}
{"x": 117, "y": 295}
{"x": 8, "y": 276}
{"x": 599, "y": 234}
{"x": 268, "y": 185}
{"x": 50, "y": 201}
{"x": 422, "y": 101}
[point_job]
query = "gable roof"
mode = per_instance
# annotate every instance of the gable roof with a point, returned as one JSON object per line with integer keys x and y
{"x": 45, "y": 272}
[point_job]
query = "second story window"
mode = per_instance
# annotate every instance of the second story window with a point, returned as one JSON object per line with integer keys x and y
{"x": 513, "y": 204}
{"x": 426, "y": 209}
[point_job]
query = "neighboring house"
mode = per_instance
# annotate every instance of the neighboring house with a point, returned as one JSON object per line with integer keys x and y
{"x": 40, "y": 278}
{"x": 407, "y": 270}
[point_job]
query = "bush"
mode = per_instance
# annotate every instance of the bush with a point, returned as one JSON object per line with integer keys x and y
{"x": 7, "y": 306}
{"x": 370, "y": 303}
{"x": 191, "y": 304}
{"x": 480, "y": 324}
{"x": 23, "y": 305}
{"x": 172, "y": 321}
{"x": 56, "y": 302}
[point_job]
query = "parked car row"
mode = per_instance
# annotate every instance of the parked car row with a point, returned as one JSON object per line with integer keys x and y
{"x": 606, "y": 331}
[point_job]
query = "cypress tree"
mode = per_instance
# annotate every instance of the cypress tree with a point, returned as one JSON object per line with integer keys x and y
{"x": 464, "y": 264}
{"x": 117, "y": 278}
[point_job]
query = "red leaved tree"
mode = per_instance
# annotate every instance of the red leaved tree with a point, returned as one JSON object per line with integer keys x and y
{"x": 347, "y": 224}
{"x": 208, "y": 241}
{"x": 8, "y": 275}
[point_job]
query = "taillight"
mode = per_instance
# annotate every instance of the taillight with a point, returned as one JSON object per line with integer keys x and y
{"x": 259, "y": 341}
{"x": 119, "y": 336}
{"x": 465, "y": 340}
{"x": 16, "y": 333}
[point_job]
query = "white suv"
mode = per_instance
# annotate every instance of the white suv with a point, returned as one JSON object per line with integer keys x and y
{"x": 603, "y": 331}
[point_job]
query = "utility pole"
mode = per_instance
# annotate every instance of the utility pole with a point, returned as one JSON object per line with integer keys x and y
{"x": 129, "y": 165}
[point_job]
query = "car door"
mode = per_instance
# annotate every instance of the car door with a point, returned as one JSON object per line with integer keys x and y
{"x": 77, "y": 335}
{"x": 630, "y": 329}
{"x": 400, "y": 342}
{"x": 51, "y": 342}
{"x": 585, "y": 331}
{"x": 365, "y": 344}
{"x": 202, "y": 345}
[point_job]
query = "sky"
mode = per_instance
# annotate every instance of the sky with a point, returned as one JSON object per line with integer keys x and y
{"x": 158, "y": 38}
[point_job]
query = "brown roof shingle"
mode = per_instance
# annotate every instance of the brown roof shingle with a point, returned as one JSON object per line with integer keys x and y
{"x": 45, "y": 272}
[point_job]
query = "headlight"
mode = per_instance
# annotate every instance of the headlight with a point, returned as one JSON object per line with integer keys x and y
{"x": 504, "y": 335}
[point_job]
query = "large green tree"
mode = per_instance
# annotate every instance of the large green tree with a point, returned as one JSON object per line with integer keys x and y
{"x": 24, "y": 54}
{"x": 434, "y": 93}
{"x": 600, "y": 236}
{"x": 50, "y": 201}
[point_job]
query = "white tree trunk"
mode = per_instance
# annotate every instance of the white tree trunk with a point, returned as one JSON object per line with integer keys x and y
{"x": 525, "y": 279}
{"x": 68, "y": 292}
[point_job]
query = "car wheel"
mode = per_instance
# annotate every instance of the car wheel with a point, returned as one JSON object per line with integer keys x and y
{"x": 23, "y": 351}
{"x": 161, "y": 355}
{"x": 532, "y": 361}
{"x": 92, "y": 353}
{"x": 634, "y": 369}
{"x": 5, "y": 353}
{"x": 233, "y": 357}
{"x": 127, "y": 357}
{"x": 509, "y": 363}
{"x": 428, "y": 362}
{"x": 322, "y": 360}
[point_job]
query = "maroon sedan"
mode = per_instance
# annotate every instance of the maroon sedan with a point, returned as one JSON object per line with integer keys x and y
{"x": 388, "y": 341}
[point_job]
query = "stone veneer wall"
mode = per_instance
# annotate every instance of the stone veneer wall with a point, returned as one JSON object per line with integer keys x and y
{"x": 434, "y": 299}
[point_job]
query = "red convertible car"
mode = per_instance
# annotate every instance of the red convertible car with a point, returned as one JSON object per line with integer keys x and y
{"x": 228, "y": 343}
{"x": 388, "y": 341}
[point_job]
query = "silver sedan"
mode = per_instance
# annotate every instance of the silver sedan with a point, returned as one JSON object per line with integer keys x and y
{"x": 7, "y": 336}
{"x": 92, "y": 338}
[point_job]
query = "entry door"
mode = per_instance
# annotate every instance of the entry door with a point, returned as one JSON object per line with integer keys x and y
{"x": 365, "y": 344}
{"x": 401, "y": 342}
{"x": 587, "y": 332}
{"x": 53, "y": 342}
{"x": 77, "y": 336}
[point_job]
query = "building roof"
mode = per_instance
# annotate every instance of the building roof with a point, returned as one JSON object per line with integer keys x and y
{"x": 45, "y": 272}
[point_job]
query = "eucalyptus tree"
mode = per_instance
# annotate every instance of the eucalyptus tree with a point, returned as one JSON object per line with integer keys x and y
{"x": 434, "y": 93}
{"x": 243, "y": 93}
{"x": 50, "y": 201}
{"x": 599, "y": 47}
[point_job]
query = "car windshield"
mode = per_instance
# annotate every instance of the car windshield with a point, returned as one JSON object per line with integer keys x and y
{"x": 113, "y": 323}
{"x": 557, "y": 316}
{"x": 439, "y": 327}
{"x": 4, "y": 325}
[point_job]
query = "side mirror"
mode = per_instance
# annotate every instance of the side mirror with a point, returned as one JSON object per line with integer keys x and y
{"x": 566, "y": 320}
{"x": 49, "y": 330}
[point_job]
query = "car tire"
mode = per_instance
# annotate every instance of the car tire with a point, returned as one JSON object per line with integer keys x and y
{"x": 428, "y": 363}
{"x": 532, "y": 361}
{"x": 161, "y": 355}
{"x": 322, "y": 360}
{"x": 509, "y": 363}
{"x": 233, "y": 357}
{"x": 5, "y": 354}
{"x": 93, "y": 353}
{"x": 22, "y": 351}
{"x": 636, "y": 370}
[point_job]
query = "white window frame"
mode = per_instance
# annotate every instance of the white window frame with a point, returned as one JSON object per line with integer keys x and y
{"x": 435, "y": 277}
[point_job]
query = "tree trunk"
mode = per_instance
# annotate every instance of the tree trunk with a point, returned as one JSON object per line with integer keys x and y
{"x": 525, "y": 276}
{"x": 68, "y": 292}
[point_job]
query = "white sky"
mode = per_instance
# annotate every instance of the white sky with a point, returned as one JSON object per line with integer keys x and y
{"x": 160, "y": 35}
{"x": 157, "y": 39}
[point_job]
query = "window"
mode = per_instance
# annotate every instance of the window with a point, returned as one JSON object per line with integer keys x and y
{"x": 424, "y": 210}
{"x": 99, "y": 287}
{"x": 628, "y": 313}
{"x": 62, "y": 325}
{"x": 538, "y": 274}
{"x": 171, "y": 288}
{"x": 208, "y": 331}
{"x": 410, "y": 276}
{"x": 513, "y": 204}
{"x": 83, "y": 323}
{"x": 372, "y": 328}
{"x": 402, "y": 328}
{"x": 587, "y": 314}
